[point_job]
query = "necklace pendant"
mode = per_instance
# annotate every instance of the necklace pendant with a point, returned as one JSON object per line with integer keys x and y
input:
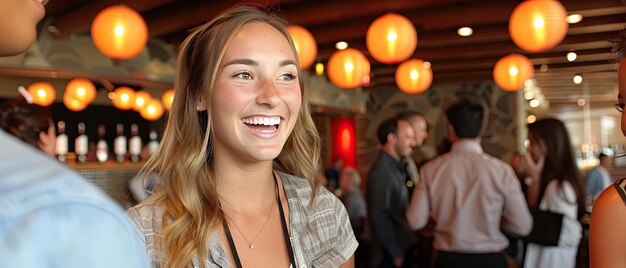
{"x": 251, "y": 246}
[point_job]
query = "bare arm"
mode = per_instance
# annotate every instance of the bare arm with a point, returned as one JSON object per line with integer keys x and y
{"x": 349, "y": 263}
{"x": 607, "y": 238}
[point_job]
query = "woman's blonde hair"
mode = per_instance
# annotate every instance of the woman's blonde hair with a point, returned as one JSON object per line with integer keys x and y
{"x": 184, "y": 158}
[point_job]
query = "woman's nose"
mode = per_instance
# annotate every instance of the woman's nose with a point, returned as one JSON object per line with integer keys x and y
{"x": 268, "y": 94}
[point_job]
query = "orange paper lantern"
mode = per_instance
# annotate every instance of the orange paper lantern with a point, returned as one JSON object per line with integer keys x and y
{"x": 346, "y": 68}
{"x": 168, "y": 98}
{"x": 119, "y": 32}
{"x": 305, "y": 45}
{"x": 73, "y": 103}
{"x": 43, "y": 93}
{"x": 413, "y": 77}
{"x": 81, "y": 89}
{"x": 511, "y": 71}
{"x": 366, "y": 74}
{"x": 391, "y": 38}
{"x": 538, "y": 25}
{"x": 153, "y": 110}
{"x": 124, "y": 98}
{"x": 141, "y": 100}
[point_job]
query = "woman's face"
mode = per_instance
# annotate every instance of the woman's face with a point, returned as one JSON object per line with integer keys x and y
{"x": 257, "y": 95}
{"x": 621, "y": 77}
{"x": 18, "y": 21}
{"x": 536, "y": 146}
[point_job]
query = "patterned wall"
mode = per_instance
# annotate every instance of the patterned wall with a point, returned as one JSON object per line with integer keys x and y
{"x": 500, "y": 139}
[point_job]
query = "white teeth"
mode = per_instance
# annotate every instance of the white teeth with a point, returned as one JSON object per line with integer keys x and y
{"x": 258, "y": 120}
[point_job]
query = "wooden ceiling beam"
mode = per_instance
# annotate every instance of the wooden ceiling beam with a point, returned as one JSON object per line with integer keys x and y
{"x": 332, "y": 12}
{"x": 79, "y": 20}
{"x": 493, "y": 49}
{"x": 179, "y": 18}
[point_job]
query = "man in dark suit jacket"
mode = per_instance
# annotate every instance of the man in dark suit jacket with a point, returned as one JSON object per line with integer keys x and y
{"x": 387, "y": 196}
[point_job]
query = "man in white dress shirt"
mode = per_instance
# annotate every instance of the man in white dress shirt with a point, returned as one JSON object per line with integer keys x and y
{"x": 470, "y": 195}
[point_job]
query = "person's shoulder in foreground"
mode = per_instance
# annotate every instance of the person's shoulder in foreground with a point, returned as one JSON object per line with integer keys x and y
{"x": 52, "y": 217}
{"x": 609, "y": 208}
{"x": 324, "y": 231}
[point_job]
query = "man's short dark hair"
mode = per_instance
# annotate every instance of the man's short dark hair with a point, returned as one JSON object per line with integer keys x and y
{"x": 390, "y": 125}
{"x": 467, "y": 119}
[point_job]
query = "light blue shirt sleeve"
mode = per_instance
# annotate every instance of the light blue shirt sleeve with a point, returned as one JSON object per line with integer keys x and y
{"x": 52, "y": 217}
{"x": 74, "y": 235}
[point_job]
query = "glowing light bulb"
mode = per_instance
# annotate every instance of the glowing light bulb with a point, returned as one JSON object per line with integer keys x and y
{"x": 538, "y": 22}
{"x": 119, "y": 30}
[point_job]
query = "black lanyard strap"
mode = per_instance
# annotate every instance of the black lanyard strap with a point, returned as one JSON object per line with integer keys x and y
{"x": 231, "y": 243}
{"x": 284, "y": 224}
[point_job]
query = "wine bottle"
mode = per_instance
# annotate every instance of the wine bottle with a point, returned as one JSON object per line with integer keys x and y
{"x": 61, "y": 143}
{"x": 119, "y": 144}
{"x": 102, "y": 148}
{"x": 81, "y": 144}
{"x": 153, "y": 145}
{"x": 135, "y": 143}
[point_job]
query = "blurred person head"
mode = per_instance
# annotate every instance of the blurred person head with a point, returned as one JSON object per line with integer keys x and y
{"x": 30, "y": 123}
{"x": 348, "y": 179}
{"x": 217, "y": 98}
{"x": 606, "y": 157}
{"x": 419, "y": 124}
{"x": 466, "y": 120}
{"x": 549, "y": 138}
{"x": 18, "y": 24}
{"x": 397, "y": 137}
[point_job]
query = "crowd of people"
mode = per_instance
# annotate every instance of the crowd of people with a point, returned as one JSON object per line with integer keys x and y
{"x": 240, "y": 185}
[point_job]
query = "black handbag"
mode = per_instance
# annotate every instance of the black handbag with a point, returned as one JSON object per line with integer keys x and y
{"x": 546, "y": 227}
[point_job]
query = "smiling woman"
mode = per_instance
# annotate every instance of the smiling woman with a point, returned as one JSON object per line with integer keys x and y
{"x": 239, "y": 158}
{"x": 18, "y": 19}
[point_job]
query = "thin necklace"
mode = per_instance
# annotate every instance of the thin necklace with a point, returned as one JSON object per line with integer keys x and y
{"x": 251, "y": 243}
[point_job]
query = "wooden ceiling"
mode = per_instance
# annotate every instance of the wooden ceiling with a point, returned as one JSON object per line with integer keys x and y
{"x": 454, "y": 58}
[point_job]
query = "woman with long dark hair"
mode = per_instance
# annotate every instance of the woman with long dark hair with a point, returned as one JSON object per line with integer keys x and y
{"x": 554, "y": 185}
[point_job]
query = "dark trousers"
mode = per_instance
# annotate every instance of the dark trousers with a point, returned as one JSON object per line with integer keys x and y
{"x": 409, "y": 260}
{"x": 446, "y": 259}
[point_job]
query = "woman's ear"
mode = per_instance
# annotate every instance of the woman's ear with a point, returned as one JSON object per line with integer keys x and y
{"x": 44, "y": 140}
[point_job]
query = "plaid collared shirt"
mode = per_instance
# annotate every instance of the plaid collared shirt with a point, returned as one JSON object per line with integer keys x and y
{"x": 321, "y": 236}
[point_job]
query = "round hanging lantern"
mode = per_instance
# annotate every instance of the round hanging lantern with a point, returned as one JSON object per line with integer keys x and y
{"x": 305, "y": 45}
{"x": 413, "y": 77}
{"x": 141, "y": 100}
{"x": 43, "y": 93}
{"x": 119, "y": 32}
{"x": 153, "y": 110}
{"x": 73, "y": 103}
{"x": 391, "y": 38}
{"x": 511, "y": 71}
{"x": 168, "y": 98}
{"x": 538, "y": 25}
{"x": 366, "y": 74}
{"x": 81, "y": 89}
{"x": 124, "y": 98}
{"x": 346, "y": 68}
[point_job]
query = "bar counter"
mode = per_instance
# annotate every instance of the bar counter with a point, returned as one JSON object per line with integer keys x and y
{"x": 112, "y": 177}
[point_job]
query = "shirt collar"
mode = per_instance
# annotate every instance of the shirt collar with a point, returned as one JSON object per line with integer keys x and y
{"x": 467, "y": 145}
{"x": 389, "y": 158}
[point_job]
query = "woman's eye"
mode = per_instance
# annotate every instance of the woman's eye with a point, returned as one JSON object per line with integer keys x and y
{"x": 244, "y": 75}
{"x": 287, "y": 77}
